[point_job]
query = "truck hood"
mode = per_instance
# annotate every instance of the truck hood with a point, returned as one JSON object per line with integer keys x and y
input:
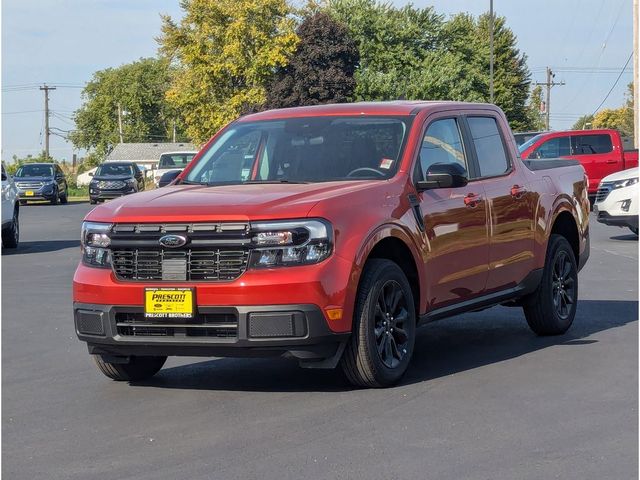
{"x": 623, "y": 175}
{"x": 193, "y": 203}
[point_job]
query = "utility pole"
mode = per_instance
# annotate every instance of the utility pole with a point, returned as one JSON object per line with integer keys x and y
{"x": 120, "y": 122}
{"x": 46, "y": 89}
{"x": 174, "y": 130}
{"x": 549, "y": 83}
{"x": 636, "y": 87}
{"x": 491, "y": 51}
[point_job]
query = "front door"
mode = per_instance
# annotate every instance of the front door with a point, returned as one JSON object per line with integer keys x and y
{"x": 455, "y": 221}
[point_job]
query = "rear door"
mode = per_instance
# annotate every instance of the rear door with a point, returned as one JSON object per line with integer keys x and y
{"x": 510, "y": 202}
{"x": 455, "y": 219}
{"x": 597, "y": 155}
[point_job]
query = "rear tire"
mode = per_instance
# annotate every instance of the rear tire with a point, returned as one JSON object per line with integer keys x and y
{"x": 11, "y": 235}
{"x": 138, "y": 368}
{"x": 382, "y": 342}
{"x": 550, "y": 310}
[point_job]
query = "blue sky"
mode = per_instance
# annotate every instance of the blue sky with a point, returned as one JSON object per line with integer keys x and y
{"x": 586, "y": 42}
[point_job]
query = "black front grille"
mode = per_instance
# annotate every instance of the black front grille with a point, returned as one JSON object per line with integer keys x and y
{"x": 179, "y": 265}
{"x": 603, "y": 191}
{"x": 218, "y": 325}
{"x": 213, "y": 251}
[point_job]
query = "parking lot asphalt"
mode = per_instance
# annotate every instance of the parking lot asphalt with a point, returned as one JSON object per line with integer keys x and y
{"x": 484, "y": 398}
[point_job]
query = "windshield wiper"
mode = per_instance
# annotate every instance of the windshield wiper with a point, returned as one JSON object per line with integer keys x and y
{"x": 282, "y": 180}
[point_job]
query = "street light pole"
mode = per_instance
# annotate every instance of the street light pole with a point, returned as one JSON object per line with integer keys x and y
{"x": 491, "y": 51}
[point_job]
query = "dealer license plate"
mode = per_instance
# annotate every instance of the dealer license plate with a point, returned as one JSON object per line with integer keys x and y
{"x": 169, "y": 302}
{"x": 29, "y": 193}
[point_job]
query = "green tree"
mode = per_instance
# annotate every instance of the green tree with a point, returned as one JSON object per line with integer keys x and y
{"x": 321, "y": 69}
{"x": 581, "y": 123}
{"x": 414, "y": 53}
{"x": 393, "y": 43}
{"x": 536, "y": 120}
{"x": 225, "y": 52}
{"x": 138, "y": 89}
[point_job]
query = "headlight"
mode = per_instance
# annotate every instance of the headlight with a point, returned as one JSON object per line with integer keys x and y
{"x": 290, "y": 243}
{"x": 95, "y": 241}
{"x": 627, "y": 182}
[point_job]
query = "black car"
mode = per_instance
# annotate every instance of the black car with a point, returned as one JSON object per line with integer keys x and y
{"x": 115, "y": 179}
{"x": 41, "y": 181}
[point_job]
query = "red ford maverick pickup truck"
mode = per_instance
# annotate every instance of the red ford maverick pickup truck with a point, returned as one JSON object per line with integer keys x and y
{"x": 328, "y": 234}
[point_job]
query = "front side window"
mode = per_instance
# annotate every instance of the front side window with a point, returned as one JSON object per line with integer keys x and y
{"x": 309, "y": 149}
{"x": 442, "y": 143}
{"x": 592, "y": 144}
{"x": 35, "y": 171}
{"x": 553, "y": 148}
{"x": 490, "y": 151}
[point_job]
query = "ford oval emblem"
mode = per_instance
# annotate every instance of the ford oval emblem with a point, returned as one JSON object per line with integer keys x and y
{"x": 173, "y": 241}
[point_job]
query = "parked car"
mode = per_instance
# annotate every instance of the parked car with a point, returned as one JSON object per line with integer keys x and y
{"x": 328, "y": 234}
{"x": 522, "y": 137}
{"x": 172, "y": 161}
{"x": 115, "y": 179}
{"x": 10, "y": 211}
{"x": 600, "y": 152}
{"x": 41, "y": 181}
{"x": 617, "y": 200}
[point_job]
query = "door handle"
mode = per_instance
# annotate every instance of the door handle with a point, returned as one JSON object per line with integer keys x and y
{"x": 612, "y": 161}
{"x": 472, "y": 199}
{"x": 517, "y": 191}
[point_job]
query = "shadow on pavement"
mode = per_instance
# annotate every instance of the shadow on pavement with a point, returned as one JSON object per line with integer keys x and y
{"x": 41, "y": 246}
{"x": 442, "y": 348}
{"x": 625, "y": 238}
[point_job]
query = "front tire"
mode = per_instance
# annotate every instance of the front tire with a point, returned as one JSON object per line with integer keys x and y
{"x": 54, "y": 200}
{"x": 64, "y": 198}
{"x": 382, "y": 342}
{"x": 11, "y": 235}
{"x": 550, "y": 310}
{"x": 138, "y": 368}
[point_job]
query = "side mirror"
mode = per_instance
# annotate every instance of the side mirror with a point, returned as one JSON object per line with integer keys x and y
{"x": 443, "y": 175}
{"x": 91, "y": 174}
{"x": 168, "y": 177}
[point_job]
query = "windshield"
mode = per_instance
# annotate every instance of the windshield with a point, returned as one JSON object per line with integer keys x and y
{"x": 528, "y": 143}
{"x": 310, "y": 149}
{"x": 35, "y": 171}
{"x": 110, "y": 169}
{"x": 175, "y": 160}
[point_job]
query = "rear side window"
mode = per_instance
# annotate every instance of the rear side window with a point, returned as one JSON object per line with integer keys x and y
{"x": 553, "y": 148}
{"x": 591, "y": 144}
{"x": 442, "y": 144}
{"x": 490, "y": 151}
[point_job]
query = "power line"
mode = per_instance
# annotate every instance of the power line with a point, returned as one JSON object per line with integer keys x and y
{"x": 614, "y": 84}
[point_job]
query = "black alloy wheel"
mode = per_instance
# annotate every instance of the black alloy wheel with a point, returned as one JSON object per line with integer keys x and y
{"x": 390, "y": 324}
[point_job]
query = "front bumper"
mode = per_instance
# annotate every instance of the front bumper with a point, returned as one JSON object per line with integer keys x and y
{"x": 618, "y": 220}
{"x": 295, "y": 330}
{"x": 37, "y": 194}
{"x": 98, "y": 194}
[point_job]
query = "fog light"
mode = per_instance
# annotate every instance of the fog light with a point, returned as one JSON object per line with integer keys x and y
{"x": 625, "y": 205}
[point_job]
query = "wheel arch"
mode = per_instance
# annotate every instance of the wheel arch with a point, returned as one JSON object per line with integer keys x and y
{"x": 391, "y": 242}
{"x": 565, "y": 224}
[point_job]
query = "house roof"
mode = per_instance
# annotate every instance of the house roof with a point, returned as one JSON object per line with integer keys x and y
{"x": 145, "y": 152}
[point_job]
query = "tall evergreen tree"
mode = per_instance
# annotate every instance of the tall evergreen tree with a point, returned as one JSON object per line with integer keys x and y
{"x": 321, "y": 69}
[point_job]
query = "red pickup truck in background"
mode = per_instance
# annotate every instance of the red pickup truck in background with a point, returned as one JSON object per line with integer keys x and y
{"x": 601, "y": 152}
{"x": 328, "y": 234}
